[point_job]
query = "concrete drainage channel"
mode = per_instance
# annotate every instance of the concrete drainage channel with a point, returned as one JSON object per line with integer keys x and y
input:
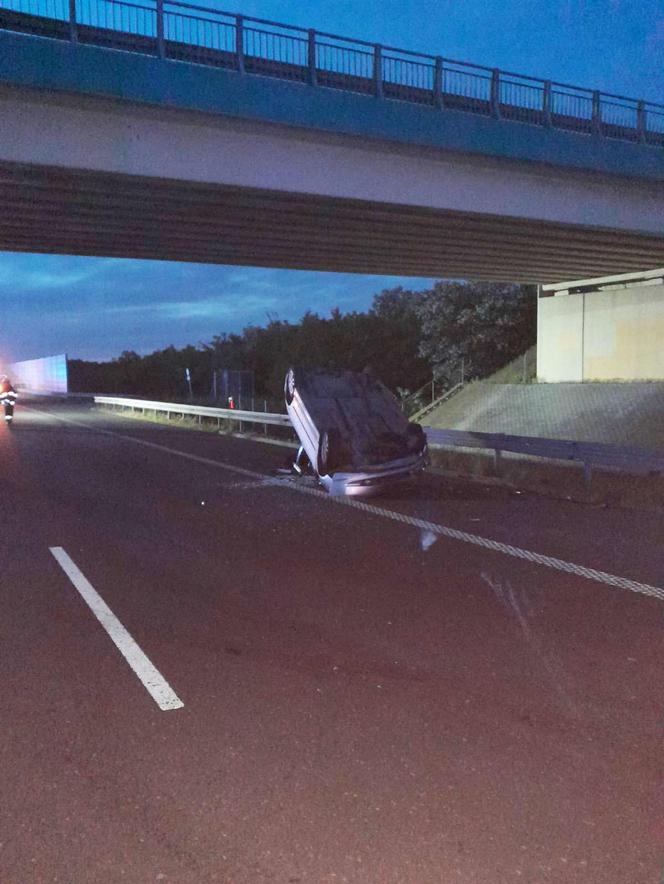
{"x": 638, "y": 487}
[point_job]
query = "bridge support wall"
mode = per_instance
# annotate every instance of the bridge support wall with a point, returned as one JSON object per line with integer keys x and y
{"x": 611, "y": 331}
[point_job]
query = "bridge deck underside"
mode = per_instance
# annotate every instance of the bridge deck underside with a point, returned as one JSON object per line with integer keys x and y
{"x": 49, "y": 210}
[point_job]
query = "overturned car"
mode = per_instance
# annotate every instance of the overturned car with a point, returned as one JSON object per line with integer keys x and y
{"x": 352, "y": 431}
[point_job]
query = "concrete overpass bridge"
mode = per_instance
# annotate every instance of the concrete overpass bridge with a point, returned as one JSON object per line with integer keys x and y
{"x": 171, "y": 131}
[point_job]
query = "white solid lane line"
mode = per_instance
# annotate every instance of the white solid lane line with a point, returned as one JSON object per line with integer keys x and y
{"x": 395, "y": 516}
{"x": 154, "y": 683}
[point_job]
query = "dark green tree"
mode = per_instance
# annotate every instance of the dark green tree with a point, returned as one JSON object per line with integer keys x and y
{"x": 402, "y": 337}
{"x": 480, "y": 325}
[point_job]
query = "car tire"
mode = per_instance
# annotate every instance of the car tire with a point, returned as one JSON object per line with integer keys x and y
{"x": 289, "y": 386}
{"x": 417, "y": 440}
{"x": 328, "y": 451}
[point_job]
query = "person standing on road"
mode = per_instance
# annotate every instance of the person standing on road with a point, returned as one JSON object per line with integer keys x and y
{"x": 8, "y": 398}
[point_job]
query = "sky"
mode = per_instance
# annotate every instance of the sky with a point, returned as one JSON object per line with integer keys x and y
{"x": 94, "y": 308}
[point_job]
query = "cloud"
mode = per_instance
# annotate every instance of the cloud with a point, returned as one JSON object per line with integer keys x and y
{"x": 222, "y": 307}
{"x": 95, "y": 308}
{"x": 44, "y": 273}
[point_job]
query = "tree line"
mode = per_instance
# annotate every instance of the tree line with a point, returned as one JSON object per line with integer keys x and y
{"x": 406, "y": 337}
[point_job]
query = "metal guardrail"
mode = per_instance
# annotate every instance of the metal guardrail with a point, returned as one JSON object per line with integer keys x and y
{"x": 233, "y": 414}
{"x": 199, "y": 34}
{"x": 589, "y": 454}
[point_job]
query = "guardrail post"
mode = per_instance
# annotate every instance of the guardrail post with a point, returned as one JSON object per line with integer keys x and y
{"x": 438, "y": 83}
{"x": 378, "y": 70}
{"x": 641, "y": 121}
{"x": 546, "y": 103}
{"x": 495, "y": 93}
{"x": 73, "y": 27}
{"x": 311, "y": 57}
{"x": 239, "y": 43}
{"x": 587, "y": 476}
{"x": 597, "y": 113}
{"x": 161, "y": 49}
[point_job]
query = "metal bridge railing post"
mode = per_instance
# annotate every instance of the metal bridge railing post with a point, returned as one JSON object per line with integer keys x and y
{"x": 546, "y": 103}
{"x": 378, "y": 70}
{"x": 239, "y": 43}
{"x": 161, "y": 48}
{"x": 597, "y": 113}
{"x": 311, "y": 56}
{"x": 438, "y": 83}
{"x": 641, "y": 121}
{"x": 495, "y": 93}
{"x": 73, "y": 27}
{"x": 497, "y": 461}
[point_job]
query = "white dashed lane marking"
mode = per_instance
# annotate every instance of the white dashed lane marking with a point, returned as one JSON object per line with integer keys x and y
{"x": 152, "y": 680}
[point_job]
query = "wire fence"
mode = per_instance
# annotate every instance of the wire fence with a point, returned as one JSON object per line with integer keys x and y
{"x": 202, "y": 35}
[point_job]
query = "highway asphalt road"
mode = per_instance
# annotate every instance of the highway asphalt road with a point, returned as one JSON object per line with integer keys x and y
{"x": 286, "y": 688}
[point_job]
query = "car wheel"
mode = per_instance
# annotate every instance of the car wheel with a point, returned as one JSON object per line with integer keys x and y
{"x": 417, "y": 439}
{"x": 328, "y": 451}
{"x": 289, "y": 386}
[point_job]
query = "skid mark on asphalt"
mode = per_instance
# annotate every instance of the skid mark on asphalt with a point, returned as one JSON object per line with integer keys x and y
{"x": 421, "y": 524}
{"x": 519, "y": 606}
{"x": 153, "y": 681}
{"x": 497, "y": 546}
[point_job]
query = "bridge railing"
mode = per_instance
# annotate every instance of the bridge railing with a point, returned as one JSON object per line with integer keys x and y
{"x": 199, "y": 34}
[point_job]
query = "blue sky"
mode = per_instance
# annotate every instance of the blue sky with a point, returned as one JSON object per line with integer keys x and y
{"x": 95, "y": 308}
